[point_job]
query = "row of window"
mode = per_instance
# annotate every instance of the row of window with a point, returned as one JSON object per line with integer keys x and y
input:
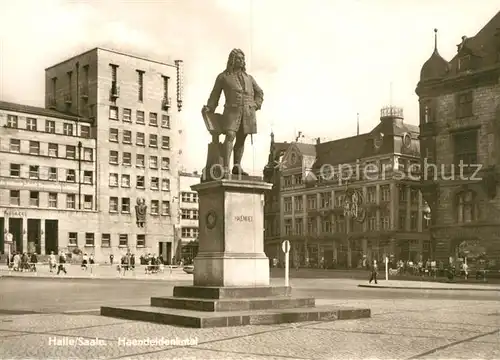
{"x": 139, "y": 117}
{"x": 37, "y": 172}
{"x": 53, "y": 200}
{"x": 371, "y": 169}
{"x": 140, "y": 138}
{"x": 140, "y": 182}
{"x": 465, "y": 150}
{"x": 122, "y": 205}
{"x": 140, "y": 160}
{"x": 116, "y": 205}
{"x": 325, "y": 198}
{"x": 105, "y": 240}
{"x": 49, "y": 149}
{"x": 51, "y": 127}
{"x": 189, "y": 232}
{"x": 189, "y": 214}
{"x": 463, "y": 108}
{"x": 338, "y": 225}
{"x": 189, "y": 197}
{"x": 140, "y": 83}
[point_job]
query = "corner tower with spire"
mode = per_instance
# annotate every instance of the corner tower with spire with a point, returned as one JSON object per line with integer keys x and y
{"x": 458, "y": 107}
{"x": 436, "y": 67}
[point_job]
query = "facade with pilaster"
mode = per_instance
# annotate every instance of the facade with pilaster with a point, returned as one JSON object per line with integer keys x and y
{"x": 131, "y": 104}
{"x": 385, "y": 169}
{"x": 459, "y": 126}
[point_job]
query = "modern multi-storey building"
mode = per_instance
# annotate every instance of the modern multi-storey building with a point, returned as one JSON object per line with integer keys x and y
{"x": 459, "y": 123}
{"x": 47, "y": 179}
{"x": 312, "y": 191}
{"x": 131, "y": 103}
{"x": 188, "y": 247}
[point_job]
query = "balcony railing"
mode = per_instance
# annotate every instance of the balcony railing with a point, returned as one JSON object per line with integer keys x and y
{"x": 166, "y": 103}
{"x": 52, "y": 102}
{"x": 68, "y": 98}
{"x": 84, "y": 91}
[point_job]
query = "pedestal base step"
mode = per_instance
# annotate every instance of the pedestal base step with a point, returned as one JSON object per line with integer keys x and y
{"x": 204, "y": 319}
{"x": 283, "y": 302}
{"x": 236, "y": 292}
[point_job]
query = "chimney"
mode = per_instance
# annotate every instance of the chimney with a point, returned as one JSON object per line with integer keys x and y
{"x": 461, "y": 45}
{"x": 318, "y": 141}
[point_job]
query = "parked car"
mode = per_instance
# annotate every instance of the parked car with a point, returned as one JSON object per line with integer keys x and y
{"x": 188, "y": 269}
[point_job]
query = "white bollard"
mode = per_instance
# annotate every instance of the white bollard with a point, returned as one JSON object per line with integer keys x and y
{"x": 287, "y": 268}
{"x": 386, "y": 268}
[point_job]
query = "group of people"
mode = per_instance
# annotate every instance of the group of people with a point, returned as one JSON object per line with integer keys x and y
{"x": 22, "y": 262}
{"x": 26, "y": 262}
{"x": 154, "y": 263}
{"x": 87, "y": 260}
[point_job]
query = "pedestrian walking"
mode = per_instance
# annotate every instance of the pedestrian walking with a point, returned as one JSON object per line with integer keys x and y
{"x": 85, "y": 261}
{"x": 62, "y": 263}
{"x": 465, "y": 267}
{"x": 52, "y": 261}
{"x": 374, "y": 272}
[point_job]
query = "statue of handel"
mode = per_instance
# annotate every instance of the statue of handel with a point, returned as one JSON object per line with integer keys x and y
{"x": 243, "y": 98}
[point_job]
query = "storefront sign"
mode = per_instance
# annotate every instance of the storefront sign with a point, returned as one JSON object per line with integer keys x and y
{"x": 15, "y": 213}
{"x": 50, "y": 186}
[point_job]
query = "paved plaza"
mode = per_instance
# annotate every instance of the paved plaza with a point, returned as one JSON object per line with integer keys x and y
{"x": 405, "y": 324}
{"x": 399, "y": 329}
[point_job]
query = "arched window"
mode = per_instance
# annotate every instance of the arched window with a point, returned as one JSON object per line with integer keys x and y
{"x": 466, "y": 206}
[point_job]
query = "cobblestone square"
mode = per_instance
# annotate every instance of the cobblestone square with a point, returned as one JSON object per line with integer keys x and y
{"x": 398, "y": 329}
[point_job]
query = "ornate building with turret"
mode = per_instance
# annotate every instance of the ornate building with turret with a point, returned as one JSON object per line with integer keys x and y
{"x": 334, "y": 218}
{"x": 460, "y": 127}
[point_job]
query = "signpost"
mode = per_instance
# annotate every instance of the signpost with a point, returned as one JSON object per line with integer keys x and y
{"x": 386, "y": 268}
{"x": 285, "y": 245}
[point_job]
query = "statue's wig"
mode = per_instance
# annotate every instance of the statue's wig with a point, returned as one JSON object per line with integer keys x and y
{"x": 231, "y": 59}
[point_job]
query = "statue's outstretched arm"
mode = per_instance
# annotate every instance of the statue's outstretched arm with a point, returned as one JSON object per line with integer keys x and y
{"x": 213, "y": 100}
{"x": 258, "y": 94}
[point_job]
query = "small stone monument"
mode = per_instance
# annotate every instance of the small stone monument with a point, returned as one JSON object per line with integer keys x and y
{"x": 231, "y": 284}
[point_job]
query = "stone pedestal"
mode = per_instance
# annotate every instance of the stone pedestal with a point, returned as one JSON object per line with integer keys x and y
{"x": 231, "y": 272}
{"x": 231, "y": 237}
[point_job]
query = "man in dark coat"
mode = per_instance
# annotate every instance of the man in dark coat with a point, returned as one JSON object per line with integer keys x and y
{"x": 243, "y": 98}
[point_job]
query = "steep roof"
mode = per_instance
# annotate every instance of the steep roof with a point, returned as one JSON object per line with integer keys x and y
{"x": 280, "y": 147}
{"x": 306, "y": 149}
{"x": 484, "y": 43}
{"x": 341, "y": 151}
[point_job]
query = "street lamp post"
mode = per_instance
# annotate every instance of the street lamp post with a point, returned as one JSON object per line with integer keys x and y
{"x": 427, "y": 217}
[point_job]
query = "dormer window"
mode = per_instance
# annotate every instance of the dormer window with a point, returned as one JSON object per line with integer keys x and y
{"x": 464, "y": 63}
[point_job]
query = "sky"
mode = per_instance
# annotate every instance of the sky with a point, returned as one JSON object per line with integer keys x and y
{"x": 319, "y": 62}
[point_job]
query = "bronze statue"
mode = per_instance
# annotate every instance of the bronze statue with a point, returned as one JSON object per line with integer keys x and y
{"x": 140, "y": 212}
{"x": 243, "y": 98}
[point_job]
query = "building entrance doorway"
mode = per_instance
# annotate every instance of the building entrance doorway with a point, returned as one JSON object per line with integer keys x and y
{"x": 34, "y": 232}
{"x": 16, "y": 229}
{"x": 51, "y": 236}
{"x": 165, "y": 251}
